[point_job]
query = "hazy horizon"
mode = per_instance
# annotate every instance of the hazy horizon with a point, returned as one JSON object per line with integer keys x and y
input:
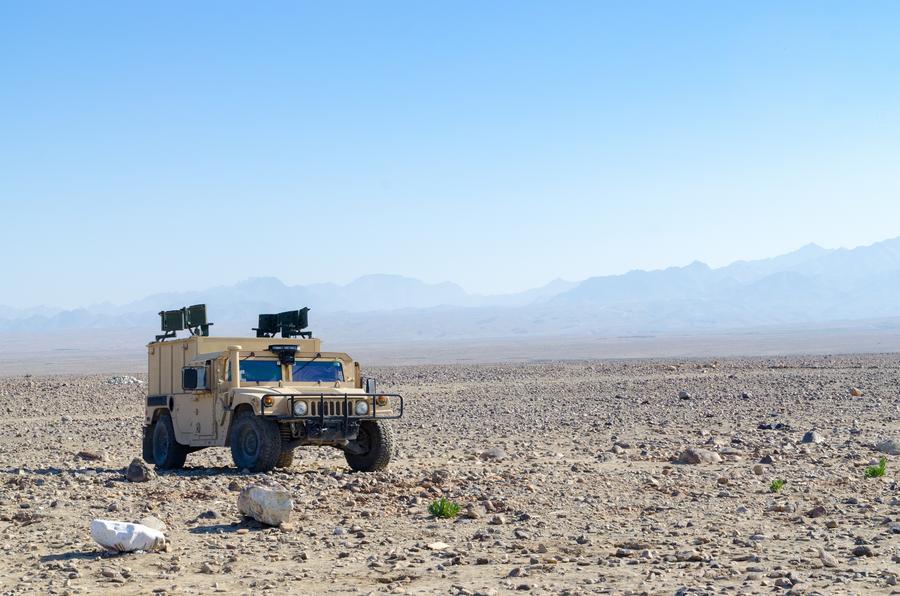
{"x": 430, "y": 282}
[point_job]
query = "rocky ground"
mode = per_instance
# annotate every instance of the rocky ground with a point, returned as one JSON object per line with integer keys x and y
{"x": 566, "y": 473}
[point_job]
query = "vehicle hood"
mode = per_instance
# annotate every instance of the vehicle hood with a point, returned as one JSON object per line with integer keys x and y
{"x": 325, "y": 390}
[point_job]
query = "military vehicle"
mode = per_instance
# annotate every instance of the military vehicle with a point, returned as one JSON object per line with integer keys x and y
{"x": 261, "y": 396}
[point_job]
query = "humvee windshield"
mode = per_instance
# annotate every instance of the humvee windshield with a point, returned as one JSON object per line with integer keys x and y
{"x": 260, "y": 371}
{"x": 317, "y": 370}
{"x": 303, "y": 371}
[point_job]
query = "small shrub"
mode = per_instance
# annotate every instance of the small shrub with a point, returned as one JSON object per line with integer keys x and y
{"x": 444, "y": 508}
{"x": 877, "y": 471}
{"x": 777, "y": 485}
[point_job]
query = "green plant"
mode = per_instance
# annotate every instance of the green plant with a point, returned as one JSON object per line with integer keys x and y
{"x": 444, "y": 508}
{"x": 877, "y": 471}
{"x": 777, "y": 485}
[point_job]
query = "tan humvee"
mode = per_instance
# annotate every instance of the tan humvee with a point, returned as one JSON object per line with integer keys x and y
{"x": 286, "y": 393}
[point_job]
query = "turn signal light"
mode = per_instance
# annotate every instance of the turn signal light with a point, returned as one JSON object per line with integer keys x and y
{"x": 268, "y": 401}
{"x": 381, "y": 400}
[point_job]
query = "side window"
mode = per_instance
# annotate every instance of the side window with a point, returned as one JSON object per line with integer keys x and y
{"x": 194, "y": 378}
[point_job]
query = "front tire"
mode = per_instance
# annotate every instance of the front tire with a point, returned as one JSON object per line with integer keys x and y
{"x": 168, "y": 453}
{"x": 373, "y": 447}
{"x": 255, "y": 443}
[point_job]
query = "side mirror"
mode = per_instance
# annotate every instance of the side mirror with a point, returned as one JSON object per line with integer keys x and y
{"x": 193, "y": 378}
{"x": 370, "y": 385}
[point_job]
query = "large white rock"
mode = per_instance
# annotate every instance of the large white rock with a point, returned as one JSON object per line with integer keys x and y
{"x": 271, "y": 505}
{"x": 126, "y": 537}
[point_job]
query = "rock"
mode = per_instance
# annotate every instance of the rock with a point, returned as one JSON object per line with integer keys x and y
{"x": 125, "y": 537}
{"x": 684, "y": 395}
{"x": 692, "y": 455}
{"x": 91, "y": 456}
{"x": 758, "y": 469}
{"x": 863, "y": 550}
{"x": 855, "y": 392}
{"x": 438, "y": 546}
{"x": 271, "y": 505}
{"x": 773, "y": 426}
{"x": 139, "y": 471}
{"x": 783, "y": 582}
{"x": 154, "y": 523}
{"x": 123, "y": 380}
{"x": 828, "y": 560}
{"x": 494, "y": 453}
{"x": 889, "y": 446}
{"x": 812, "y": 437}
{"x": 208, "y": 568}
{"x": 471, "y": 512}
{"x": 817, "y": 511}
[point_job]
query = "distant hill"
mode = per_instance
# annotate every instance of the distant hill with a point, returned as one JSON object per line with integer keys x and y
{"x": 809, "y": 285}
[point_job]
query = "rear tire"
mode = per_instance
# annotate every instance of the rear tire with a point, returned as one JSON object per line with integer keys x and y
{"x": 375, "y": 443}
{"x": 168, "y": 453}
{"x": 286, "y": 459}
{"x": 255, "y": 443}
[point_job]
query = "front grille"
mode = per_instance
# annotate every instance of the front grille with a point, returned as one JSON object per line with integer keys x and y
{"x": 330, "y": 407}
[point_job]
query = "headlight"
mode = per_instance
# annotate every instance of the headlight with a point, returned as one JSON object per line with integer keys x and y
{"x": 362, "y": 408}
{"x": 299, "y": 408}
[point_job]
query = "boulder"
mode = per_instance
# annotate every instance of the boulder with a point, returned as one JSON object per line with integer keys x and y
{"x": 139, "y": 471}
{"x": 692, "y": 455}
{"x": 270, "y": 505}
{"x": 124, "y": 537}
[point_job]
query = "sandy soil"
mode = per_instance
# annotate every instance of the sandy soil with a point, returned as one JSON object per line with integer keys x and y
{"x": 565, "y": 472}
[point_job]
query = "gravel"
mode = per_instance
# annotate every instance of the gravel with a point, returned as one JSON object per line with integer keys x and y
{"x": 565, "y": 473}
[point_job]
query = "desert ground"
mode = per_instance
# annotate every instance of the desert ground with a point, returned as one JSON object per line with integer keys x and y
{"x": 567, "y": 474}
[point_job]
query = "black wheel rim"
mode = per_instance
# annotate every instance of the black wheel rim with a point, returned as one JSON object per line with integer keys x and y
{"x": 250, "y": 443}
{"x": 364, "y": 441}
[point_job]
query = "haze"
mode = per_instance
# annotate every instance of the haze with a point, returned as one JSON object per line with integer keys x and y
{"x": 178, "y": 147}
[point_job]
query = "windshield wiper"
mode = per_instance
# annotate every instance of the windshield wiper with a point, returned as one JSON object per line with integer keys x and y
{"x": 296, "y": 370}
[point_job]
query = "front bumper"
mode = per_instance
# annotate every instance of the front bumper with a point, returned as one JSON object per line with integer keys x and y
{"x": 334, "y": 419}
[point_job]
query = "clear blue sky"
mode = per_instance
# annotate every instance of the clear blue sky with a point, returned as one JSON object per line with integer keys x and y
{"x": 165, "y": 145}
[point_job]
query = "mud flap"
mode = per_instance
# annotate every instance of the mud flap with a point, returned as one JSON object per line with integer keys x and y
{"x": 147, "y": 444}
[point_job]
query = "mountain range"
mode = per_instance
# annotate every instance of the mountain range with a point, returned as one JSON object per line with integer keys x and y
{"x": 809, "y": 285}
